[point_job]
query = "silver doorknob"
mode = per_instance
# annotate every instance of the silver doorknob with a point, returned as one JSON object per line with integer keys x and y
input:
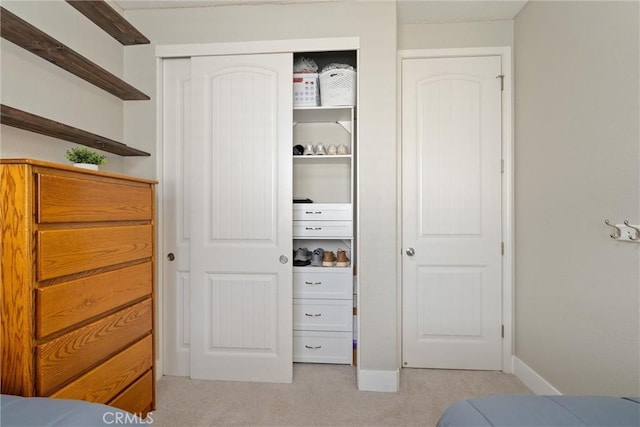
{"x": 283, "y": 259}
{"x": 171, "y": 256}
{"x": 411, "y": 252}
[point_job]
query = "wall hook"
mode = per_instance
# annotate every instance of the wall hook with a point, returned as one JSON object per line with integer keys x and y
{"x": 616, "y": 232}
{"x": 637, "y": 237}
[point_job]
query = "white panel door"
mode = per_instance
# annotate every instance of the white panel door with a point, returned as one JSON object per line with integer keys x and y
{"x": 452, "y": 286}
{"x": 241, "y": 209}
{"x": 176, "y": 209}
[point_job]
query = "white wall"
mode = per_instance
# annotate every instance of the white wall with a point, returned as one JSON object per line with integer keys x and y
{"x": 32, "y": 84}
{"x": 375, "y": 24}
{"x": 455, "y": 35}
{"x": 577, "y": 163}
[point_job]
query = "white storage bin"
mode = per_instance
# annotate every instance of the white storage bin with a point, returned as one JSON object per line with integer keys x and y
{"x": 305, "y": 90}
{"x": 322, "y": 315}
{"x": 322, "y": 212}
{"x": 335, "y": 229}
{"x": 322, "y": 347}
{"x": 323, "y": 285}
{"x": 338, "y": 87}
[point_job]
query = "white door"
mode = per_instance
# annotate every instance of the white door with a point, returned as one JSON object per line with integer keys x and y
{"x": 176, "y": 208}
{"x": 451, "y": 189}
{"x": 241, "y": 218}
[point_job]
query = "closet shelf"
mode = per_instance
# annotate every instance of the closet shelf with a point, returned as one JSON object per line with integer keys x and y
{"x": 114, "y": 24}
{"x": 25, "y": 35}
{"x": 21, "y": 119}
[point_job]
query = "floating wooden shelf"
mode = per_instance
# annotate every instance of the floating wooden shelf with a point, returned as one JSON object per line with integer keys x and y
{"x": 25, "y": 35}
{"x": 27, "y": 121}
{"x": 114, "y": 24}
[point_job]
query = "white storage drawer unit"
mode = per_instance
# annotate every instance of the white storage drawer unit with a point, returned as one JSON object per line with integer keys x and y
{"x": 322, "y": 315}
{"x": 322, "y": 347}
{"x": 323, "y": 309}
{"x": 322, "y": 212}
{"x": 325, "y": 285}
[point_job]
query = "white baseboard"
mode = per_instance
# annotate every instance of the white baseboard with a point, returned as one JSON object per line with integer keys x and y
{"x": 532, "y": 379}
{"x": 384, "y": 381}
{"x": 158, "y": 369}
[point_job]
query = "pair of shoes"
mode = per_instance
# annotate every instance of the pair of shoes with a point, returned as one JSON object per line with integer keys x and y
{"x": 341, "y": 150}
{"x": 316, "y": 257}
{"x": 317, "y": 150}
{"x": 342, "y": 260}
{"x": 329, "y": 259}
{"x": 301, "y": 257}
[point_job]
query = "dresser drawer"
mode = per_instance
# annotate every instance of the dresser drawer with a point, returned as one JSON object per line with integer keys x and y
{"x": 322, "y": 315}
{"x": 71, "y": 354}
{"x": 323, "y": 285}
{"x": 322, "y": 347}
{"x": 67, "y": 199}
{"x": 341, "y": 229}
{"x": 68, "y": 251}
{"x": 65, "y": 304}
{"x": 137, "y": 398}
{"x": 322, "y": 212}
{"x": 109, "y": 379}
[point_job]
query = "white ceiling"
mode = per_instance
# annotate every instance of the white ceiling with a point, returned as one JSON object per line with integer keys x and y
{"x": 409, "y": 11}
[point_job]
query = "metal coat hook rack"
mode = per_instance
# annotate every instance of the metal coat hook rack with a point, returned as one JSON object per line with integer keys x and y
{"x": 624, "y": 232}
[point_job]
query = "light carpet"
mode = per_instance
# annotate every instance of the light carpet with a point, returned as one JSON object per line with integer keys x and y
{"x": 323, "y": 395}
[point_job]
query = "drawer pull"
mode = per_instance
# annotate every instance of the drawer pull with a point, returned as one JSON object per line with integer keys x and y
{"x": 313, "y": 315}
{"x": 313, "y": 228}
{"x": 313, "y": 213}
{"x": 313, "y": 283}
{"x": 313, "y": 347}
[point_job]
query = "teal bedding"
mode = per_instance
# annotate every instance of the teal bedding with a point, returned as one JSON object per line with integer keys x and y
{"x": 18, "y": 411}
{"x": 548, "y": 411}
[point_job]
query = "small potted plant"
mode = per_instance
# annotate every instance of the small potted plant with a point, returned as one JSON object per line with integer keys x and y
{"x": 82, "y": 157}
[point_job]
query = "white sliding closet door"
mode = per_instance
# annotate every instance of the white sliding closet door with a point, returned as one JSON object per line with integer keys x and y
{"x": 241, "y": 209}
{"x": 176, "y": 208}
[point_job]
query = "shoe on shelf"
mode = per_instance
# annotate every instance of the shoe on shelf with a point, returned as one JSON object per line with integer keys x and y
{"x": 329, "y": 259}
{"x": 298, "y": 150}
{"x": 309, "y": 151}
{"x": 302, "y": 257}
{"x": 316, "y": 257}
{"x": 343, "y": 150}
{"x": 332, "y": 150}
{"x": 320, "y": 150}
{"x": 342, "y": 259}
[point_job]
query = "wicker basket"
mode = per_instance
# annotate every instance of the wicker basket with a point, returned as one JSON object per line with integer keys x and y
{"x": 338, "y": 87}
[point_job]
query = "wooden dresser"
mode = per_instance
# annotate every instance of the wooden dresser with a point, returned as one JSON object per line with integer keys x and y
{"x": 77, "y": 284}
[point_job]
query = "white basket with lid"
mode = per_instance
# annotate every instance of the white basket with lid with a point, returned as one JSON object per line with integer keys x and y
{"x": 338, "y": 87}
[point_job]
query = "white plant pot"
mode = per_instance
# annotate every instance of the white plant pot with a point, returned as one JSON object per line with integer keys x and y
{"x": 86, "y": 166}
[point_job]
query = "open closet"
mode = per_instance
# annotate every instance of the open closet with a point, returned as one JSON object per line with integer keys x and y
{"x": 234, "y": 306}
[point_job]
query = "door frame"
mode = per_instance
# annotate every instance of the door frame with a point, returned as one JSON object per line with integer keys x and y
{"x": 168, "y": 51}
{"x": 505, "y": 53}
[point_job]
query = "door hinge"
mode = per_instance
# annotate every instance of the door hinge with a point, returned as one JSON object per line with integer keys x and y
{"x": 502, "y": 247}
{"x": 502, "y": 166}
{"x": 502, "y": 331}
{"x": 501, "y": 77}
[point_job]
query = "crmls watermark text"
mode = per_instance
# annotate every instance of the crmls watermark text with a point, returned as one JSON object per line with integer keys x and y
{"x": 116, "y": 418}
